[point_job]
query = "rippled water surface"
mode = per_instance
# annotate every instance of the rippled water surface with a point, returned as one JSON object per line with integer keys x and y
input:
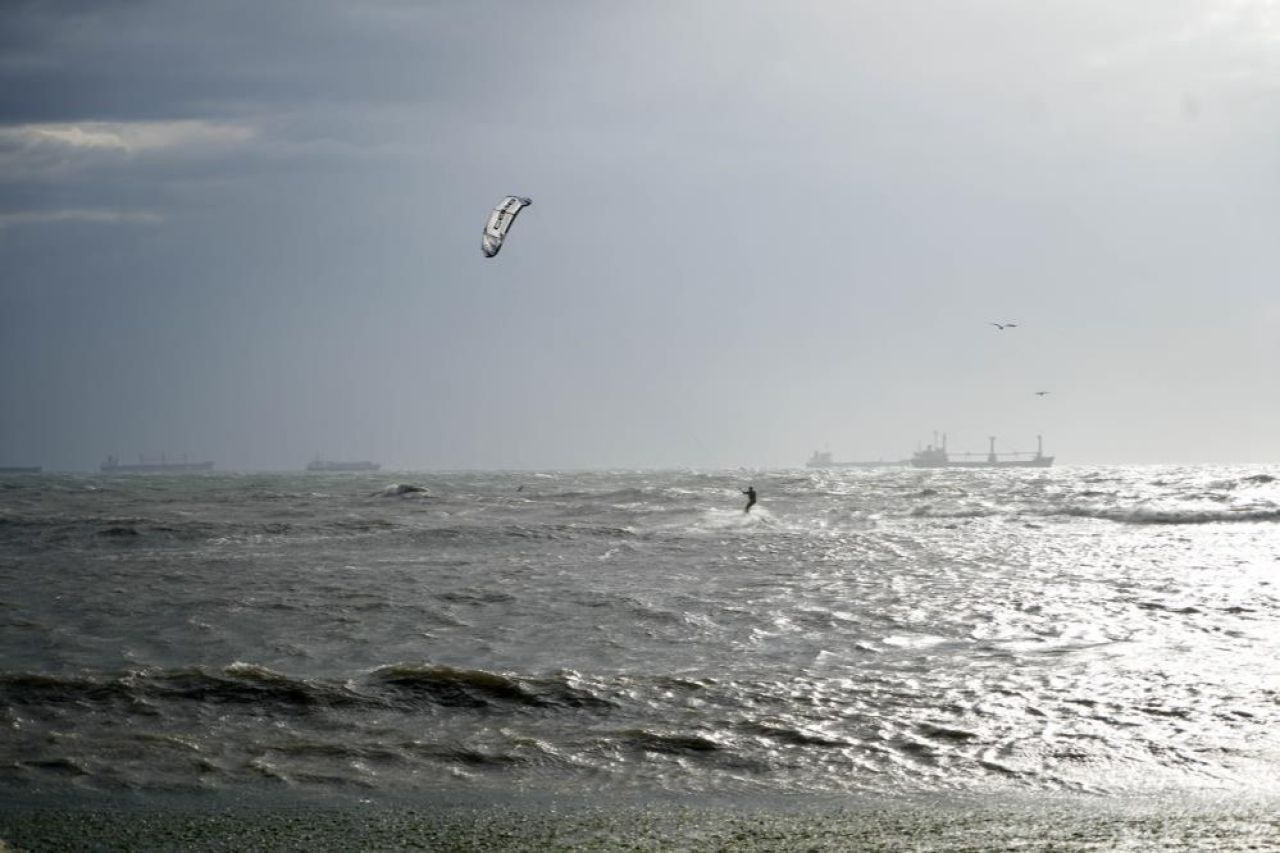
{"x": 1108, "y": 630}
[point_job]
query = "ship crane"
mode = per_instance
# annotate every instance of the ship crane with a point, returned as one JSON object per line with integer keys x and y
{"x": 936, "y": 456}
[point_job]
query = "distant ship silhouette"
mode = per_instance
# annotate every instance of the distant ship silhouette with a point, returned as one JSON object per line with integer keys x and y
{"x": 114, "y": 466}
{"x": 937, "y": 457}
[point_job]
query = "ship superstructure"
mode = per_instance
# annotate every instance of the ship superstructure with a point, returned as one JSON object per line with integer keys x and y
{"x": 936, "y": 456}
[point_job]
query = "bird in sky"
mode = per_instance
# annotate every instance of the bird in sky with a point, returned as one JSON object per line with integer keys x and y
{"x": 1041, "y": 393}
{"x": 1003, "y": 326}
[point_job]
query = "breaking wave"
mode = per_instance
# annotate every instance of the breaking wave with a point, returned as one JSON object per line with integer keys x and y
{"x": 1189, "y": 515}
{"x": 413, "y": 685}
{"x": 402, "y": 686}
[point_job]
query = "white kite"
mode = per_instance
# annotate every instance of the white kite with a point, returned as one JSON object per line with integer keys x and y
{"x": 495, "y": 230}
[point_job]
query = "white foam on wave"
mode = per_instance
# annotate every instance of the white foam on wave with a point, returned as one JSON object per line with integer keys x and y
{"x": 1174, "y": 514}
{"x": 735, "y": 519}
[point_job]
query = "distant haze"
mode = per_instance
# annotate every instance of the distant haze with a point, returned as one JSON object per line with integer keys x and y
{"x": 250, "y": 231}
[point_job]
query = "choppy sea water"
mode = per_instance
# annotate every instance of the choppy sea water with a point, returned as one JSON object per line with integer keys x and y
{"x": 894, "y": 632}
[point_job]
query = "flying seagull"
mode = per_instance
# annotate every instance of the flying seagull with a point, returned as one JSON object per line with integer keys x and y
{"x": 1003, "y": 326}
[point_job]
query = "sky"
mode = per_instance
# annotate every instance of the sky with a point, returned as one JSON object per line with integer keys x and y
{"x": 249, "y": 231}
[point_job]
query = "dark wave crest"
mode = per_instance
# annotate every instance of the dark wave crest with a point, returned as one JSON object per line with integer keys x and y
{"x": 238, "y": 684}
{"x": 405, "y": 687}
{"x": 416, "y": 685}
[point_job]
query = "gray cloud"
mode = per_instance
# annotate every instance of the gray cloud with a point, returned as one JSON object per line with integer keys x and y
{"x": 108, "y": 217}
{"x": 755, "y": 230}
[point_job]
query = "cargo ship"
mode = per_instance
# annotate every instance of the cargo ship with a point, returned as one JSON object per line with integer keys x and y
{"x": 319, "y": 464}
{"x": 115, "y": 466}
{"x": 823, "y": 459}
{"x": 937, "y": 457}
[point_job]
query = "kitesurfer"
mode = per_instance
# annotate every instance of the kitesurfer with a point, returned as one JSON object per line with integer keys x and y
{"x": 750, "y": 492}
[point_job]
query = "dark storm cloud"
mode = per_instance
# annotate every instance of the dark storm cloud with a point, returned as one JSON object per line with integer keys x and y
{"x": 166, "y": 60}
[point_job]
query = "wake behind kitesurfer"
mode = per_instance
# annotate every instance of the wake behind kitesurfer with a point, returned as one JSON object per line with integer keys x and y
{"x": 750, "y": 492}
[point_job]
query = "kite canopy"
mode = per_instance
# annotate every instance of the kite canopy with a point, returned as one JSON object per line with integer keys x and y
{"x": 495, "y": 230}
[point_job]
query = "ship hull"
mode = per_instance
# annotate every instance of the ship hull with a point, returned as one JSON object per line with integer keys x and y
{"x": 856, "y": 464}
{"x": 822, "y": 459}
{"x": 157, "y": 468}
{"x": 1038, "y": 462}
{"x": 343, "y": 466}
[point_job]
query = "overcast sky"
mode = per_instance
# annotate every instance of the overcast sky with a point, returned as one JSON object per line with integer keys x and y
{"x": 250, "y": 231}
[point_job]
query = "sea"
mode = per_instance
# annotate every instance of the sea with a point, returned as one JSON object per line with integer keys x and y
{"x": 1077, "y": 631}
